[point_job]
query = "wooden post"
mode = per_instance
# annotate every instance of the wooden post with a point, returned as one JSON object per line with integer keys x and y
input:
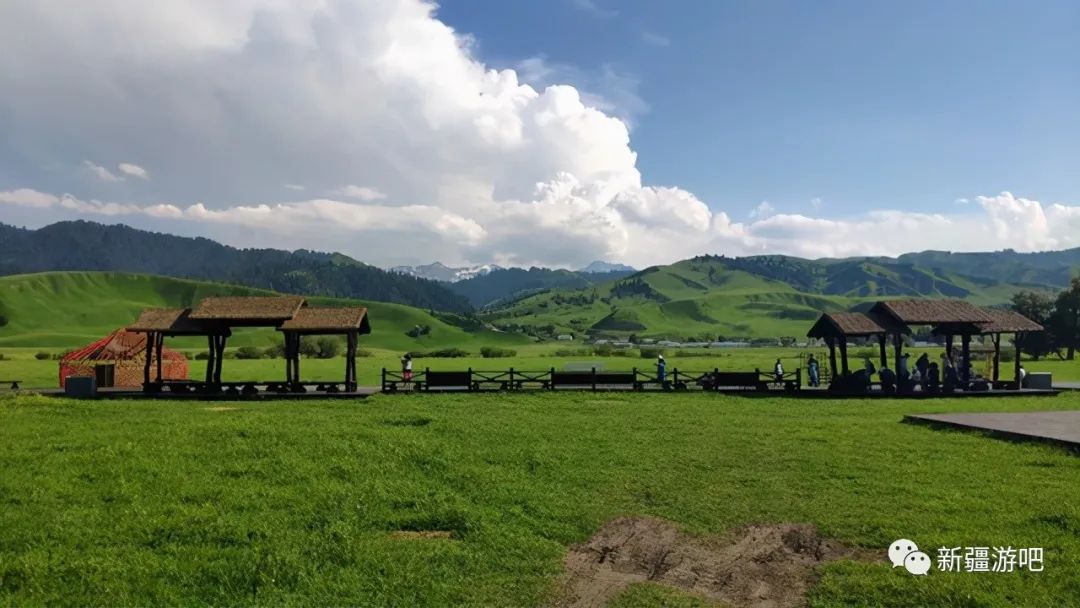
{"x": 211, "y": 352}
{"x": 898, "y": 347}
{"x": 150, "y": 338}
{"x": 296, "y": 358}
{"x": 594, "y": 379}
{"x": 965, "y": 357}
{"x": 288, "y": 356}
{"x": 832, "y": 356}
{"x": 159, "y": 343}
{"x": 843, "y": 356}
{"x": 1018, "y": 338}
{"x": 949, "y": 348}
{"x": 997, "y": 357}
{"x": 219, "y": 359}
{"x": 881, "y": 347}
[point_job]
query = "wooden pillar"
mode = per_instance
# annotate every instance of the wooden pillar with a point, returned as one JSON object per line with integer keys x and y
{"x": 949, "y": 348}
{"x": 965, "y": 357}
{"x": 898, "y": 350}
{"x": 211, "y": 348}
{"x": 350, "y": 346}
{"x": 159, "y": 344}
{"x": 1018, "y": 338}
{"x": 296, "y": 358}
{"x": 288, "y": 356}
{"x": 220, "y": 357}
{"x": 843, "y": 356}
{"x": 832, "y": 356}
{"x": 997, "y": 357}
{"x": 151, "y": 337}
{"x": 881, "y": 347}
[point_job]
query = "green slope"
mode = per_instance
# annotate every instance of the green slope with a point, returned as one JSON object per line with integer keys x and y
{"x": 68, "y": 309}
{"x": 709, "y": 297}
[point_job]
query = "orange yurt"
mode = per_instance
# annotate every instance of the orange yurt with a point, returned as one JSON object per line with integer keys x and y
{"x": 117, "y": 360}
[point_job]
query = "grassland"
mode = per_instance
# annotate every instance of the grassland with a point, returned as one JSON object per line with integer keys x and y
{"x": 136, "y": 503}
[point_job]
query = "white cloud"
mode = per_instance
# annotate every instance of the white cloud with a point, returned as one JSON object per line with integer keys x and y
{"x": 594, "y": 9}
{"x": 362, "y": 193}
{"x": 483, "y": 164}
{"x": 133, "y": 170}
{"x": 102, "y": 173}
{"x": 654, "y": 39}
{"x": 25, "y": 197}
{"x": 815, "y": 203}
{"x": 763, "y": 210}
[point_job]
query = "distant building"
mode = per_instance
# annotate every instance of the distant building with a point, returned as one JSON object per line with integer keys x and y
{"x": 564, "y": 337}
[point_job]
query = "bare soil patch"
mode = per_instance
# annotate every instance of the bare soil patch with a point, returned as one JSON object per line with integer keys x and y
{"x": 220, "y": 409}
{"x": 771, "y": 566}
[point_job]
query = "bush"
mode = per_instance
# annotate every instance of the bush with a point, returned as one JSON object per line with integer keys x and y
{"x": 446, "y": 353}
{"x": 694, "y": 353}
{"x": 603, "y": 350}
{"x": 309, "y": 347}
{"x": 419, "y": 330}
{"x": 651, "y": 353}
{"x": 43, "y": 356}
{"x": 329, "y": 347}
{"x": 203, "y": 356}
{"x": 572, "y": 352}
{"x": 248, "y": 352}
{"x": 360, "y": 352}
{"x": 2, "y": 357}
{"x": 274, "y": 352}
{"x": 491, "y": 352}
{"x": 3, "y": 320}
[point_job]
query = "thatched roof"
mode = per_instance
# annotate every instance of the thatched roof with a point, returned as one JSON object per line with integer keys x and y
{"x": 248, "y": 308}
{"x": 835, "y": 324}
{"x": 121, "y": 345}
{"x": 931, "y": 312}
{"x": 1008, "y": 322}
{"x": 328, "y": 320}
{"x": 168, "y": 321}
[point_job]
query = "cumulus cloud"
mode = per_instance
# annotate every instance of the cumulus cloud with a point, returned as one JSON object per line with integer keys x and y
{"x": 228, "y": 100}
{"x": 763, "y": 210}
{"x": 133, "y": 170}
{"x": 362, "y": 193}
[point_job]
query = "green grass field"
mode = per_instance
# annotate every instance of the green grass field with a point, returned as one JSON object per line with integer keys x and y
{"x": 141, "y": 502}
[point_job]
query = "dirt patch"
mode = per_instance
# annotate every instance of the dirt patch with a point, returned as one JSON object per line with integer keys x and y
{"x": 220, "y": 409}
{"x": 764, "y": 565}
{"x": 421, "y": 534}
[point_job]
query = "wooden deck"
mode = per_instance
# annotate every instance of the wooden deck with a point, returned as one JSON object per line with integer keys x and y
{"x": 1059, "y": 428}
{"x": 262, "y": 395}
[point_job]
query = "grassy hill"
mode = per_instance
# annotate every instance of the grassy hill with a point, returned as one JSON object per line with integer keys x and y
{"x": 761, "y": 296}
{"x": 68, "y": 309}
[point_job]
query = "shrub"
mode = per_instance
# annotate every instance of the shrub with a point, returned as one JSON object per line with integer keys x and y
{"x": 2, "y": 357}
{"x": 308, "y": 347}
{"x": 248, "y": 352}
{"x": 360, "y": 352}
{"x": 42, "y": 356}
{"x": 445, "y": 353}
{"x": 3, "y": 320}
{"x": 694, "y": 353}
{"x": 274, "y": 352}
{"x": 603, "y": 350}
{"x": 328, "y": 347}
{"x": 572, "y": 352}
{"x": 203, "y": 356}
{"x": 651, "y": 353}
{"x": 419, "y": 330}
{"x": 491, "y": 352}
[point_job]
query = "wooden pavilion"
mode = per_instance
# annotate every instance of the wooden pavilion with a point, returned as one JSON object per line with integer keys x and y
{"x": 947, "y": 318}
{"x": 216, "y": 317}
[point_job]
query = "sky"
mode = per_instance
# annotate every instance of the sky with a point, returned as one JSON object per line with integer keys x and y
{"x": 548, "y": 133}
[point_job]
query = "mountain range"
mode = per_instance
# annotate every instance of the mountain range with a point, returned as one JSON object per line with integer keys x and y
{"x": 708, "y": 295}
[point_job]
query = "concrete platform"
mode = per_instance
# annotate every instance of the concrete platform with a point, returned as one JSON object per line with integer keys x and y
{"x": 262, "y": 395}
{"x": 1060, "y": 428}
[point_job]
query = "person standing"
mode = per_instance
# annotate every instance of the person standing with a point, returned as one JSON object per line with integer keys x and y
{"x": 661, "y": 371}
{"x": 813, "y": 372}
{"x": 406, "y": 368}
{"x": 778, "y": 372}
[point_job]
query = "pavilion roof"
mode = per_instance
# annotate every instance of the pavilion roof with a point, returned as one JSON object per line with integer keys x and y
{"x": 167, "y": 320}
{"x": 932, "y": 312}
{"x": 248, "y": 308}
{"x": 1008, "y": 322}
{"x": 850, "y": 324}
{"x": 319, "y": 319}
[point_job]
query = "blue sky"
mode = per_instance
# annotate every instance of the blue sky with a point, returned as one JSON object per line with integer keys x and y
{"x": 906, "y": 105}
{"x": 548, "y": 133}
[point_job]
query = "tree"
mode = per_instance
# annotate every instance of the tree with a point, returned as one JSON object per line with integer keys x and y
{"x": 1064, "y": 323}
{"x": 329, "y": 347}
{"x": 1038, "y": 307}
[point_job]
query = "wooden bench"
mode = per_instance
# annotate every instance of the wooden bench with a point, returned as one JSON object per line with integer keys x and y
{"x": 594, "y": 379}
{"x": 14, "y": 384}
{"x": 448, "y": 380}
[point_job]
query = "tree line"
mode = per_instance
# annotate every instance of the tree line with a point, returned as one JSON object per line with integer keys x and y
{"x": 1059, "y": 314}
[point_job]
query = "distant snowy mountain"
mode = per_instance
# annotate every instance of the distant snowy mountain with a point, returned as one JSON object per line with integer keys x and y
{"x": 438, "y": 271}
{"x": 599, "y": 266}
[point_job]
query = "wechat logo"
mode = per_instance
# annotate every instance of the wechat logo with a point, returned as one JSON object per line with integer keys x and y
{"x": 906, "y": 553}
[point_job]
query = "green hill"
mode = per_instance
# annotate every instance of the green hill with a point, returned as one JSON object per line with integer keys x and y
{"x": 762, "y": 296}
{"x": 69, "y": 309}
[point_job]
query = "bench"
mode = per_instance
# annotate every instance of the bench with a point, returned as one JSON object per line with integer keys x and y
{"x": 448, "y": 380}
{"x": 14, "y": 384}
{"x": 593, "y": 380}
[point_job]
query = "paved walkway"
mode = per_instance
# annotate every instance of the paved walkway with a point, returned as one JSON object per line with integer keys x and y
{"x": 1067, "y": 386}
{"x": 1062, "y": 428}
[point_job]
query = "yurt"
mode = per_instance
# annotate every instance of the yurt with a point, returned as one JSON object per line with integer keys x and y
{"x": 117, "y": 360}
